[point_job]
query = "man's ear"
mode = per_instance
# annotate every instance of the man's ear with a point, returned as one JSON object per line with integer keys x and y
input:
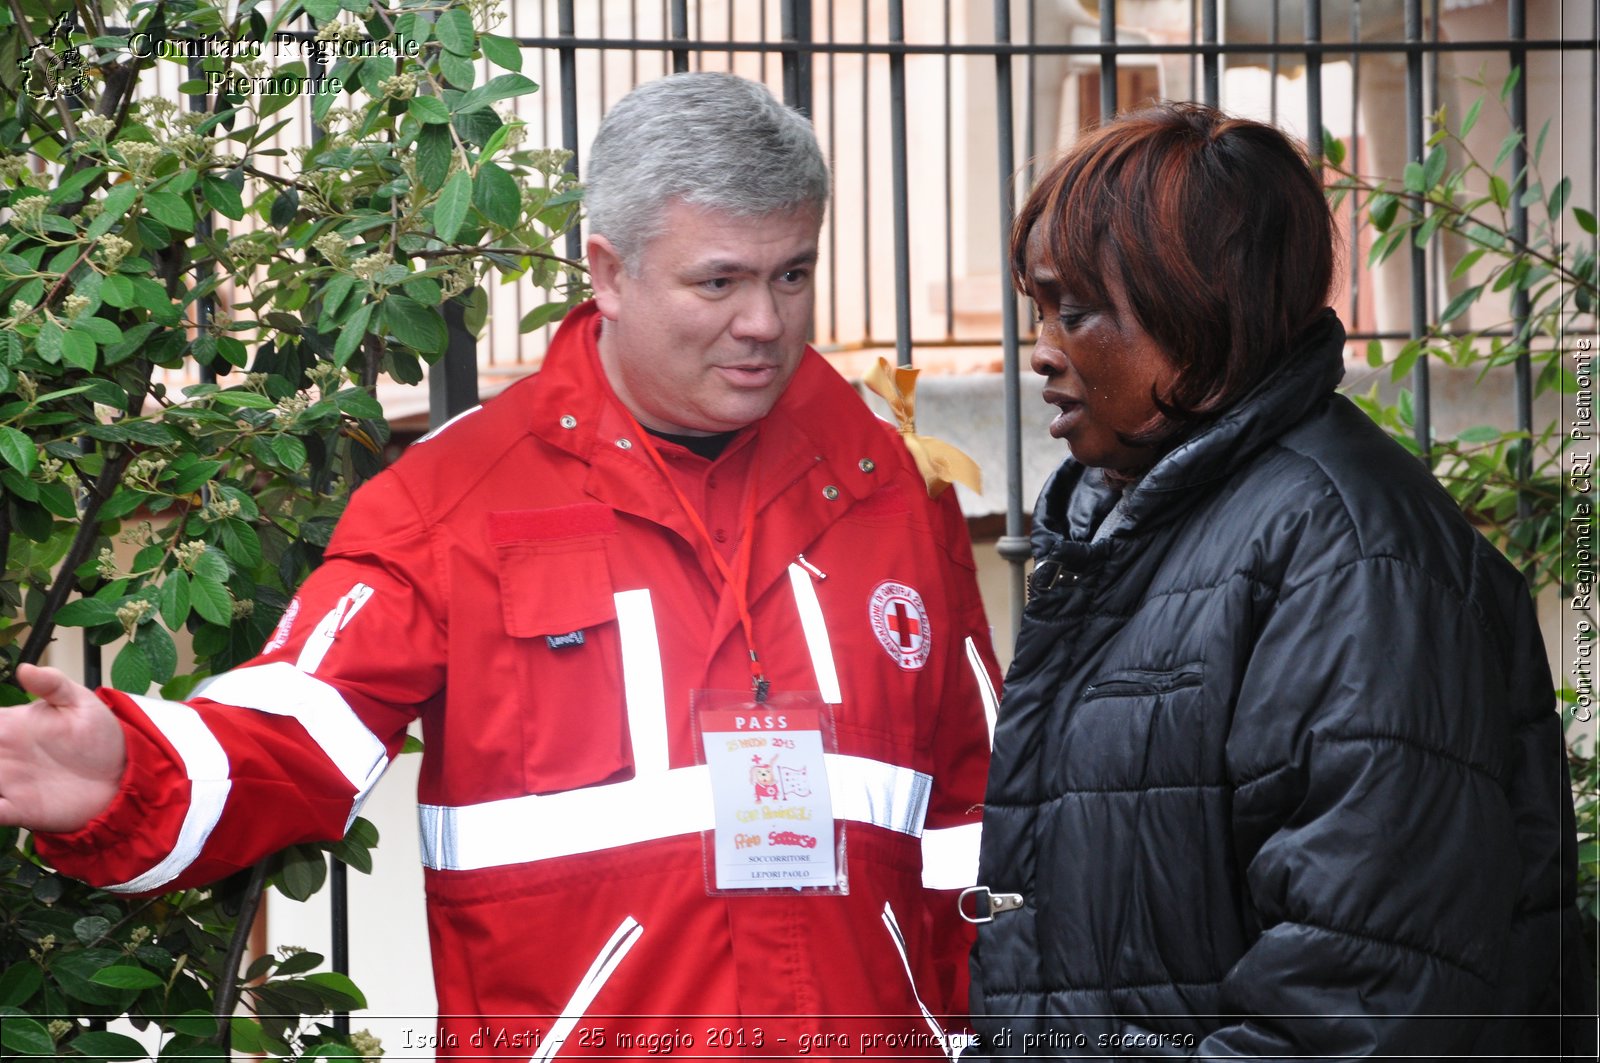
{"x": 607, "y": 274}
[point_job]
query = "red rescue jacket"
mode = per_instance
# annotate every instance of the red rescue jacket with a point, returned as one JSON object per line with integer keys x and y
{"x": 525, "y": 583}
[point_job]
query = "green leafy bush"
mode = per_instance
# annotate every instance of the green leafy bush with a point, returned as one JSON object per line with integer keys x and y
{"x": 138, "y": 235}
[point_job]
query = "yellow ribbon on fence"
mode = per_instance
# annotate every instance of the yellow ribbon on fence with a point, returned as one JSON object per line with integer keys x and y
{"x": 938, "y": 461}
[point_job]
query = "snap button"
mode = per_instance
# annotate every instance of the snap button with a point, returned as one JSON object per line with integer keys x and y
{"x": 569, "y": 421}
{"x": 866, "y": 464}
{"x": 830, "y": 492}
{"x": 624, "y": 444}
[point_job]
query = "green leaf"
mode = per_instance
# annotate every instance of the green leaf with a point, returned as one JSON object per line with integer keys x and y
{"x": 161, "y": 651}
{"x": 1433, "y": 168}
{"x": 303, "y": 872}
{"x": 1478, "y": 434}
{"x": 351, "y": 333}
{"x": 1472, "y": 117}
{"x": 212, "y": 566}
{"x": 429, "y": 110}
{"x": 78, "y": 350}
{"x": 118, "y": 291}
{"x": 1468, "y": 260}
{"x": 496, "y": 195}
{"x": 499, "y": 88}
{"x": 17, "y": 450}
{"x": 210, "y": 599}
{"x": 451, "y": 209}
{"x": 1510, "y": 82}
{"x": 457, "y": 71}
{"x": 417, "y": 326}
{"x": 170, "y": 210}
{"x": 1382, "y": 210}
{"x": 113, "y": 209}
{"x": 173, "y": 599}
{"x": 1414, "y": 177}
{"x": 125, "y": 977}
{"x": 1374, "y": 353}
{"x": 1332, "y": 148}
{"x": 322, "y": 10}
{"x": 130, "y": 672}
{"x": 20, "y": 981}
{"x": 103, "y": 1044}
{"x": 87, "y": 612}
{"x": 503, "y": 52}
{"x": 1585, "y": 220}
{"x": 454, "y": 31}
{"x": 91, "y": 928}
{"x": 26, "y": 1037}
{"x": 434, "y": 150}
{"x": 283, "y": 209}
{"x": 1558, "y": 198}
{"x": 48, "y": 343}
{"x": 541, "y": 316}
{"x": 356, "y": 402}
{"x": 298, "y": 963}
{"x": 291, "y": 452}
{"x": 103, "y": 332}
{"x": 193, "y": 1024}
{"x": 223, "y": 197}
{"x": 340, "y": 986}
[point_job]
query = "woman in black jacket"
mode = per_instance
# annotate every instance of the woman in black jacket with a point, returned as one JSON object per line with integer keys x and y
{"x": 1279, "y": 770}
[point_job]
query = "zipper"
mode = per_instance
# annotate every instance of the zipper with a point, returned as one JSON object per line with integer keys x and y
{"x": 1134, "y": 684}
{"x": 899, "y": 940}
{"x": 600, "y": 971}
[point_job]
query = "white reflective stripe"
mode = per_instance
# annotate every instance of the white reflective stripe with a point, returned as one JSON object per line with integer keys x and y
{"x": 281, "y": 689}
{"x": 870, "y": 791}
{"x": 626, "y": 936}
{"x": 642, "y": 683}
{"x": 451, "y": 421}
{"x": 205, "y": 763}
{"x": 905, "y": 959}
{"x": 816, "y": 632}
{"x": 950, "y": 856}
{"x": 521, "y": 830}
{"x": 320, "y": 641}
{"x": 991, "y": 701}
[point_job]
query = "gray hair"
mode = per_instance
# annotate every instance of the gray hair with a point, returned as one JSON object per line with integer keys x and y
{"x": 711, "y": 140}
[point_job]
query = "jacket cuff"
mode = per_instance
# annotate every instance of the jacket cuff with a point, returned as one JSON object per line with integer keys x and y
{"x": 135, "y": 831}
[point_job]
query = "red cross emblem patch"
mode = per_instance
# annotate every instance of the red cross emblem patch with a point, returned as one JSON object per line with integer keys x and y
{"x": 900, "y": 621}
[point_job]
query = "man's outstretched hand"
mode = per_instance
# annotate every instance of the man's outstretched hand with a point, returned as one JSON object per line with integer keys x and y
{"x": 61, "y": 757}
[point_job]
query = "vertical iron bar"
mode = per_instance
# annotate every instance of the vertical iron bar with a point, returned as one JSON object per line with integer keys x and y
{"x": 1517, "y": 30}
{"x": 339, "y": 900}
{"x": 680, "y": 32}
{"x": 949, "y": 188}
{"x": 1194, "y": 47}
{"x": 1213, "y": 61}
{"x": 568, "y": 59}
{"x": 1108, "y": 60}
{"x": 761, "y": 35}
{"x": 833, "y": 215}
{"x": 797, "y": 73}
{"x": 731, "y": 52}
{"x": 1013, "y": 545}
{"x": 1275, "y": 35}
{"x": 1421, "y": 391}
{"x": 1030, "y": 67}
{"x": 1354, "y": 157}
{"x": 1314, "y": 80}
{"x": 866, "y": 179}
{"x": 897, "y": 171}
{"x": 453, "y": 379}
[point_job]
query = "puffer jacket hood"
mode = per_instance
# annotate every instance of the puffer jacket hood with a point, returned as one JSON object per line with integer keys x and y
{"x": 1278, "y": 770}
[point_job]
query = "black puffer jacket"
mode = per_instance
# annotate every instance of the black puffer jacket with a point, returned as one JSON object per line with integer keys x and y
{"x": 1278, "y": 769}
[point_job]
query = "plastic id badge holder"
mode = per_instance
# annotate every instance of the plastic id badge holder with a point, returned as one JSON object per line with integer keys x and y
{"x": 774, "y": 827}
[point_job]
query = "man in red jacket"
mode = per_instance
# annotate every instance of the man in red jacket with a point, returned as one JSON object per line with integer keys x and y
{"x": 683, "y": 550}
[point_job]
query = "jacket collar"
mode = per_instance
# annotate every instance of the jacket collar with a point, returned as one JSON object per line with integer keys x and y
{"x": 1076, "y": 498}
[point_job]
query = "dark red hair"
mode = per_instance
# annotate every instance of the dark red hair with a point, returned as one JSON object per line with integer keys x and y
{"x": 1218, "y": 229}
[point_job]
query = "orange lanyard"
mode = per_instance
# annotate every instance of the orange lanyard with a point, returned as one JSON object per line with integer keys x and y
{"x": 738, "y": 576}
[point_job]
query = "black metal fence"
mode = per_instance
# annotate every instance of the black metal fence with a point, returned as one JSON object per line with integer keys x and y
{"x": 910, "y": 97}
{"x": 857, "y": 67}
